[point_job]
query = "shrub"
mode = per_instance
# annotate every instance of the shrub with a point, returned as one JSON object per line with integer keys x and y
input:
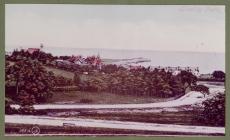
{"x": 31, "y": 81}
{"x": 200, "y": 88}
{"x": 218, "y": 74}
{"x": 187, "y": 77}
{"x": 214, "y": 111}
{"x": 8, "y": 108}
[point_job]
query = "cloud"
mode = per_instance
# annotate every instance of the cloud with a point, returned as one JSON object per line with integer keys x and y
{"x": 168, "y": 28}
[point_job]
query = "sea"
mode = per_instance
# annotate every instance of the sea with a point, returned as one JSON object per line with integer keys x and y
{"x": 207, "y": 62}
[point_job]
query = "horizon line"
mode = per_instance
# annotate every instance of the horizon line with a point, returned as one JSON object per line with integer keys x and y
{"x": 21, "y": 47}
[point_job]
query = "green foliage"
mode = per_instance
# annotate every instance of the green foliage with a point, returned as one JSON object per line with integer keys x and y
{"x": 140, "y": 81}
{"x": 110, "y": 68}
{"x": 94, "y": 84}
{"x": 8, "y": 109}
{"x": 200, "y": 88}
{"x": 218, "y": 74}
{"x": 61, "y": 81}
{"x": 111, "y": 78}
{"x": 187, "y": 77}
{"x": 214, "y": 111}
{"x": 32, "y": 83}
{"x": 41, "y": 56}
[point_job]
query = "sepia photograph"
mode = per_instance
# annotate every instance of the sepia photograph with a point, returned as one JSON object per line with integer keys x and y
{"x": 114, "y": 70}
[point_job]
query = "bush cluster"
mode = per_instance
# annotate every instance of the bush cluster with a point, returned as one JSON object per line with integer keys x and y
{"x": 214, "y": 111}
{"x": 28, "y": 82}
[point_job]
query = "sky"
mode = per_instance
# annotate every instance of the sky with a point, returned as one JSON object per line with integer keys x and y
{"x": 139, "y": 27}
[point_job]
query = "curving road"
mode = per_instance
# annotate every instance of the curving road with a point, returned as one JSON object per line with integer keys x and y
{"x": 190, "y": 98}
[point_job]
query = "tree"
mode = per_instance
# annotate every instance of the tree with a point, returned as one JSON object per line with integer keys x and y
{"x": 201, "y": 88}
{"x": 218, "y": 74}
{"x": 34, "y": 84}
{"x": 187, "y": 78}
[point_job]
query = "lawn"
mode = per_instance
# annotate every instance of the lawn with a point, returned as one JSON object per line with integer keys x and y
{"x": 83, "y": 97}
{"x": 59, "y": 72}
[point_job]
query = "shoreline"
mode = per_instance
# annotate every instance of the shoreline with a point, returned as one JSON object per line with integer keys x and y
{"x": 113, "y": 56}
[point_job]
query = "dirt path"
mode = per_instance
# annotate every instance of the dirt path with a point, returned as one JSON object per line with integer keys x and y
{"x": 54, "y": 121}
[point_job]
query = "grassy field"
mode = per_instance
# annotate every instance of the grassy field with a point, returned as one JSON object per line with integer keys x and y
{"x": 101, "y": 98}
{"x": 96, "y": 97}
{"x": 179, "y": 118}
{"x": 164, "y": 117}
{"x": 59, "y": 72}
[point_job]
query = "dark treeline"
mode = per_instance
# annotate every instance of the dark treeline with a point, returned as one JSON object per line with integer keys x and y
{"x": 115, "y": 79}
{"x": 138, "y": 82}
{"x": 109, "y": 78}
{"x": 27, "y": 82}
{"x": 41, "y": 56}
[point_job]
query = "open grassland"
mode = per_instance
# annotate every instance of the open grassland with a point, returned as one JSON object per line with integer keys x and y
{"x": 144, "y": 115}
{"x": 59, "y": 72}
{"x": 101, "y": 98}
